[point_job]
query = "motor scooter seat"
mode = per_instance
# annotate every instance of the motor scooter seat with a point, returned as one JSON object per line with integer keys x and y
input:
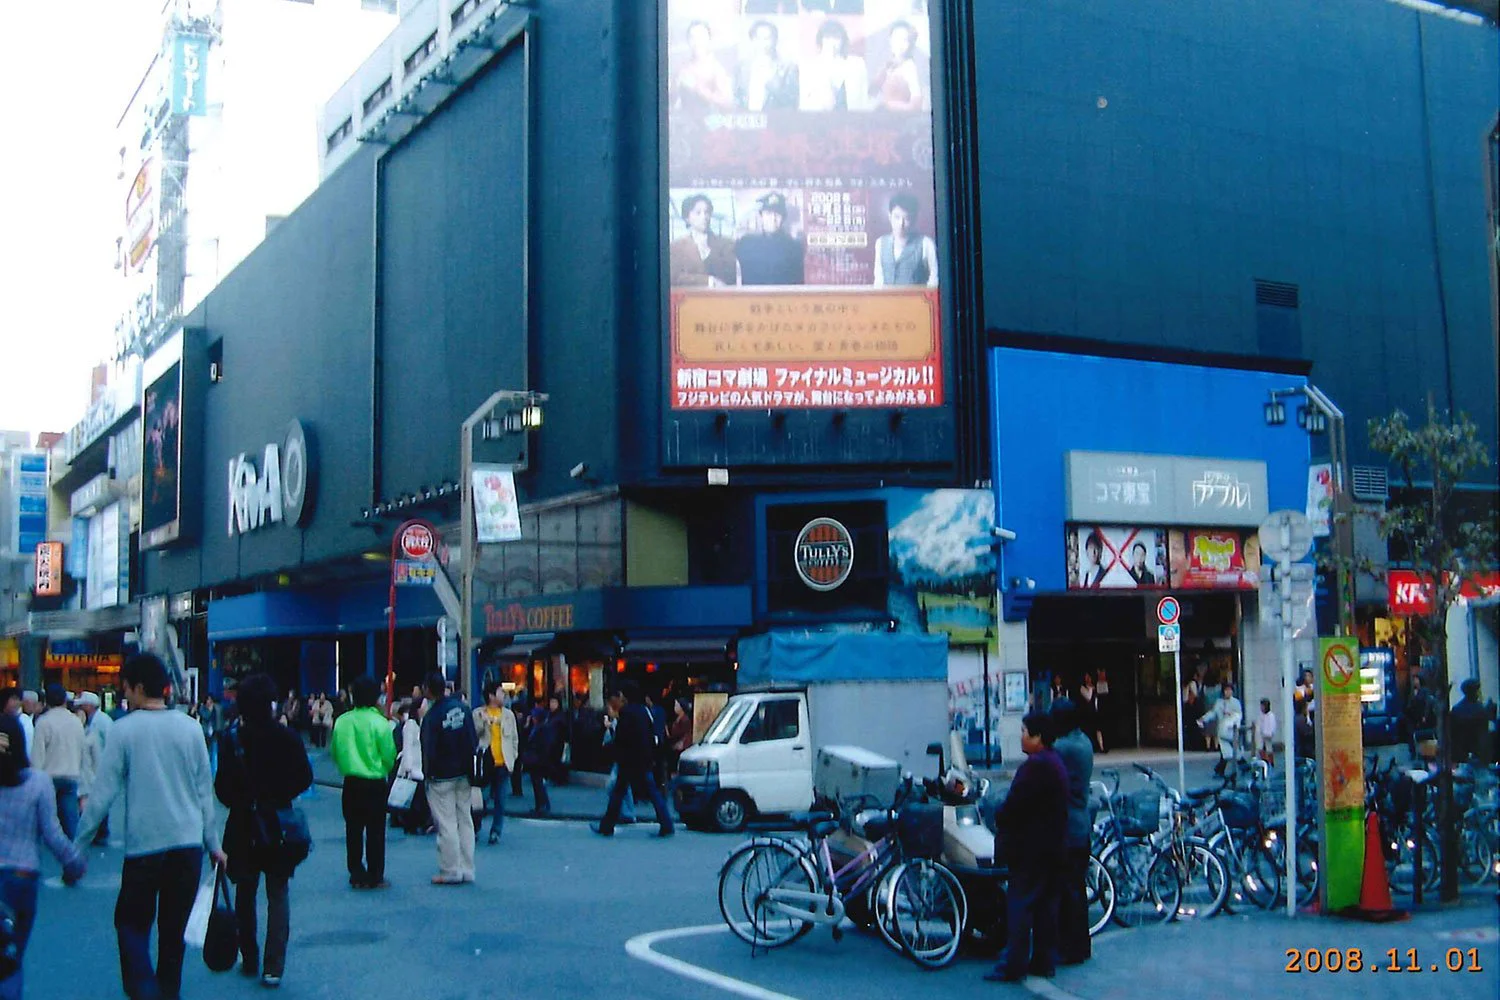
{"x": 822, "y": 828}
{"x": 807, "y": 819}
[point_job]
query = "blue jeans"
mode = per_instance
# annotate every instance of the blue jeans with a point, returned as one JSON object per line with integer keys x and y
{"x": 499, "y": 778}
{"x": 155, "y": 888}
{"x": 627, "y": 804}
{"x": 18, "y": 891}
{"x": 67, "y": 805}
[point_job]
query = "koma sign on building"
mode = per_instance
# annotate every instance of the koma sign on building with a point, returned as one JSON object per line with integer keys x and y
{"x": 280, "y": 491}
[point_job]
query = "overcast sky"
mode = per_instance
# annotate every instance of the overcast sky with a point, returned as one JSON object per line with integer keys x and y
{"x": 68, "y": 71}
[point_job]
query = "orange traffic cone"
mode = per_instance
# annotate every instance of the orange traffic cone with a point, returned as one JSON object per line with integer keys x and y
{"x": 1374, "y": 889}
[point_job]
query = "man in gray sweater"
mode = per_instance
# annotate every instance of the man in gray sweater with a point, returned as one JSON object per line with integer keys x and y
{"x": 157, "y": 761}
{"x": 1077, "y": 753}
{"x": 57, "y": 747}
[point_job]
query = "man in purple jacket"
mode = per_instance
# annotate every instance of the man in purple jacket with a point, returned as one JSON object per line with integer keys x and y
{"x": 1030, "y": 833}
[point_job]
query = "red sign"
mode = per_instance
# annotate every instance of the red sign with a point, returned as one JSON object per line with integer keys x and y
{"x": 49, "y": 569}
{"x": 1215, "y": 558}
{"x": 1409, "y": 595}
{"x": 417, "y": 541}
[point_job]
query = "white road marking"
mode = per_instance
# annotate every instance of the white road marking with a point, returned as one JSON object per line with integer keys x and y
{"x": 640, "y": 947}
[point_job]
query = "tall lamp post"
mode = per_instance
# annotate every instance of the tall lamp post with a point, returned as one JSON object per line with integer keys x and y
{"x": 502, "y": 424}
{"x": 1319, "y": 415}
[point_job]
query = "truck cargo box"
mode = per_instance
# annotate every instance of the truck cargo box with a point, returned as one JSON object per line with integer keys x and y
{"x": 844, "y": 774}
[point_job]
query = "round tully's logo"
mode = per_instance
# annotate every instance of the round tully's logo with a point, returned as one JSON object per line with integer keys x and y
{"x": 824, "y": 554}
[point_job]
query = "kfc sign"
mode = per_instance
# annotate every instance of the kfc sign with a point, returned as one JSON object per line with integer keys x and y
{"x": 1409, "y": 595}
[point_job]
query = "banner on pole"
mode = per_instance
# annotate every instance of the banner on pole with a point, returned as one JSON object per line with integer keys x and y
{"x": 1340, "y": 746}
{"x": 497, "y": 512}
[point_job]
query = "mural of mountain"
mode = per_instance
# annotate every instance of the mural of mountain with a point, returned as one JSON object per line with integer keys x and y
{"x": 944, "y": 543}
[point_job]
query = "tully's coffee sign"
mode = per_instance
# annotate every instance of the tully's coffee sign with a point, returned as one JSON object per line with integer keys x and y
{"x": 824, "y": 554}
{"x": 279, "y": 491}
{"x": 517, "y": 618}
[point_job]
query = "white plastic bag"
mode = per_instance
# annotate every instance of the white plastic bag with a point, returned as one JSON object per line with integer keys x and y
{"x": 197, "y": 925}
{"x": 403, "y": 791}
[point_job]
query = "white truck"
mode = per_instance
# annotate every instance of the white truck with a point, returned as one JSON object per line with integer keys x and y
{"x": 884, "y": 692}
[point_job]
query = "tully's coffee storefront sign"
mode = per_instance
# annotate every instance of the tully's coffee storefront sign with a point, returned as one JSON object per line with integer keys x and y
{"x": 517, "y": 618}
{"x": 824, "y": 554}
{"x": 280, "y": 491}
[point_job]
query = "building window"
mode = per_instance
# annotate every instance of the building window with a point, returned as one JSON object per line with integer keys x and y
{"x": 378, "y": 97}
{"x": 341, "y": 133}
{"x": 462, "y": 12}
{"x": 1278, "y": 320}
{"x": 419, "y": 56}
{"x": 384, "y": 6}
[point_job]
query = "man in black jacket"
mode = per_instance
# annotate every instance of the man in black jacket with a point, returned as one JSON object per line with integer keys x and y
{"x": 635, "y": 753}
{"x": 448, "y": 745}
{"x": 262, "y": 768}
{"x": 1076, "y": 751}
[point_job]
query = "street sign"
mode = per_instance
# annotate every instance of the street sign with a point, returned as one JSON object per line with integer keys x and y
{"x": 1169, "y": 638}
{"x": 414, "y": 573}
{"x": 1168, "y": 610}
{"x": 417, "y": 542}
{"x": 1286, "y": 536}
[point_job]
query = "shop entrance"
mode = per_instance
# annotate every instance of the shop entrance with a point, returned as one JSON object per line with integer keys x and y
{"x": 1110, "y": 641}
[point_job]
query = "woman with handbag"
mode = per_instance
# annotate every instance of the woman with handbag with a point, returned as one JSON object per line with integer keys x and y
{"x": 416, "y": 817}
{"x": 262, "y": 768}
{"x": 28, "y": 819}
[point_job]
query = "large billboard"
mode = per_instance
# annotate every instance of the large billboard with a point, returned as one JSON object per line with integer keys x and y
{"x": 798, "y": 229}
{"x": 161, "y": 462}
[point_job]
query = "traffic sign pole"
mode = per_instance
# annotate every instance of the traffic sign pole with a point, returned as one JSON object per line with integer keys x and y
{"x": 1181, "y": 761}
{"x": 1168, "y": 611}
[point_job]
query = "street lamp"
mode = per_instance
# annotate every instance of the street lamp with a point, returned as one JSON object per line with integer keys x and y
{"x": 506, "y": 412}
{"x": 1319, "y": 415}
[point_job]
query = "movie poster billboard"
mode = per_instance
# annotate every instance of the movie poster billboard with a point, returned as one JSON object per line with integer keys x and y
{"x": 1214, "y": 558}
{"x": 161, "y": 487}
{"x": 1116, "y": 557}
{"x": 801, "y": 205}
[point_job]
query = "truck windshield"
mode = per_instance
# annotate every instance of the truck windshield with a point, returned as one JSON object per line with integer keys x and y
{"x": 728, "y": 721}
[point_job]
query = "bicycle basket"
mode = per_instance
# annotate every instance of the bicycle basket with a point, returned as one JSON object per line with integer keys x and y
{"x": 1139, "y": 813}
{"x": 1272, "y": 800}
{"x": 1239, "y": 810}
{"x": 920, "y": 830}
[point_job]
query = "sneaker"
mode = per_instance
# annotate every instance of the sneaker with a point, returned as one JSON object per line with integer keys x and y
{"x": 270, "y": 981}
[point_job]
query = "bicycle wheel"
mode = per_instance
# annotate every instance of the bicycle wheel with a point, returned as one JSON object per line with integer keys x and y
{"x": 1205, "y": 885}
{"x": 926, "y": 906}
{"x": 744, "y": 883}
{"x": 1401, "y": 864}
{"x": 1140, "y": 897}
{"x": 881, "y": 913}
{"x": 1477, "y": 856}
{"x": 1261, "y": 880}
{"x": 1248, "y": 885}
{"x": 1099, "y": 890}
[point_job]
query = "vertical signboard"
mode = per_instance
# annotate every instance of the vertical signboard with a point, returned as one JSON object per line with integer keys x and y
{"x": 48, "y": 580}
{"x": 1341, "y": 771}
{"x": 29, "y": 487}
{"x": 497, "y": 512}
{"x": 161, "y": 463}
{"x": 801, "y": 205}
{"x": 189, "y": 75}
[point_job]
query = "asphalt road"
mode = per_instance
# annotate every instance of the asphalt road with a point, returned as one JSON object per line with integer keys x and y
{"x": 555, "y": 909}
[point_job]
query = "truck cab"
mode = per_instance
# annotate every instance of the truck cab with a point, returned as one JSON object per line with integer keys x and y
{"x": 756, "y": 758}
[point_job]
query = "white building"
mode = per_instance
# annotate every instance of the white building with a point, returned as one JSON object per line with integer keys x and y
{"x": 217, "y": 141}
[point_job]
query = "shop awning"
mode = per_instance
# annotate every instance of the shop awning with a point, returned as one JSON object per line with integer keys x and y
{"x": 521, "y": 647}
{"x": 77, "y": 624}
{"x": 679, "y": 648}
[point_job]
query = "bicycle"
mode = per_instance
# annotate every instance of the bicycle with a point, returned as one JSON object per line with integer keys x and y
{"x": 1121, "y": 844}
{"x": 1182, "y": 845}
{"x": 773, "y": 890}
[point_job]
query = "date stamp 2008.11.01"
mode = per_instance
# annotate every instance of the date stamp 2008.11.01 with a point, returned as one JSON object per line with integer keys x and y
{"x": 1392, "y": 960}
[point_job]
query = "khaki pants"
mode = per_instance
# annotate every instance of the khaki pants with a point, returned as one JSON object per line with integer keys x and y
{"x": 449, "y": 801}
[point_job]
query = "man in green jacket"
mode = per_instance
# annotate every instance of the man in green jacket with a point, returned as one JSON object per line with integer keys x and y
{"x": 364, "y": 751}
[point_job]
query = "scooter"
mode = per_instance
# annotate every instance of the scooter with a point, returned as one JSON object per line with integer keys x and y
{"x": 969, "y": 844}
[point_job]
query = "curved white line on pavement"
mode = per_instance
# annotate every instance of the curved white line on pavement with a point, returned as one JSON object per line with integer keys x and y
{"x": 640, "y": 947}
{"x": 1044, "y": 989}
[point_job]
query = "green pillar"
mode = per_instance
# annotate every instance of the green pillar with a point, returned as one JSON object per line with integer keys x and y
{"x": 33, "y": 650}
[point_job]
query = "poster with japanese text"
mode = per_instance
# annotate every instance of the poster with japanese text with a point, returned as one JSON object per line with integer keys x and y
{"x": 1116, "y": 557}
{"x": 1214, "y": 558}
{"x": 801, "y": 203}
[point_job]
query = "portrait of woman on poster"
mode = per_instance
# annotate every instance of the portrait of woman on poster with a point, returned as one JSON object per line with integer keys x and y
{"x": 702, "y": 259}
{"x": 833, "y": 80}
{"x": 766, "y": 82}
{"x": 703, "y": 85}
{"x": 905, "y": 257}
{"x": 899, "y": 86}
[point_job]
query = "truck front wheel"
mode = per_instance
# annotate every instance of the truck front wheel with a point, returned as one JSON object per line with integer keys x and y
{"x": 730, "y": 812}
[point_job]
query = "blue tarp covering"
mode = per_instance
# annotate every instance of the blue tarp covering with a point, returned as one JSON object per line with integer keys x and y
{"x": 800, "y": 658}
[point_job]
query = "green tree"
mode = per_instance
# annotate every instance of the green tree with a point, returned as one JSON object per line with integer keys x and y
{"x": 1446, "y": 549}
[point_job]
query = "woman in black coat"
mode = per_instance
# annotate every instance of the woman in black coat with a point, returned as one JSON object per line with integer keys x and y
{"x": 262, "y": 768}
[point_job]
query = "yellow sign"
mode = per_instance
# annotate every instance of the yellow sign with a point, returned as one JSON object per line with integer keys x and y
{"x": 1341, "y": 767}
